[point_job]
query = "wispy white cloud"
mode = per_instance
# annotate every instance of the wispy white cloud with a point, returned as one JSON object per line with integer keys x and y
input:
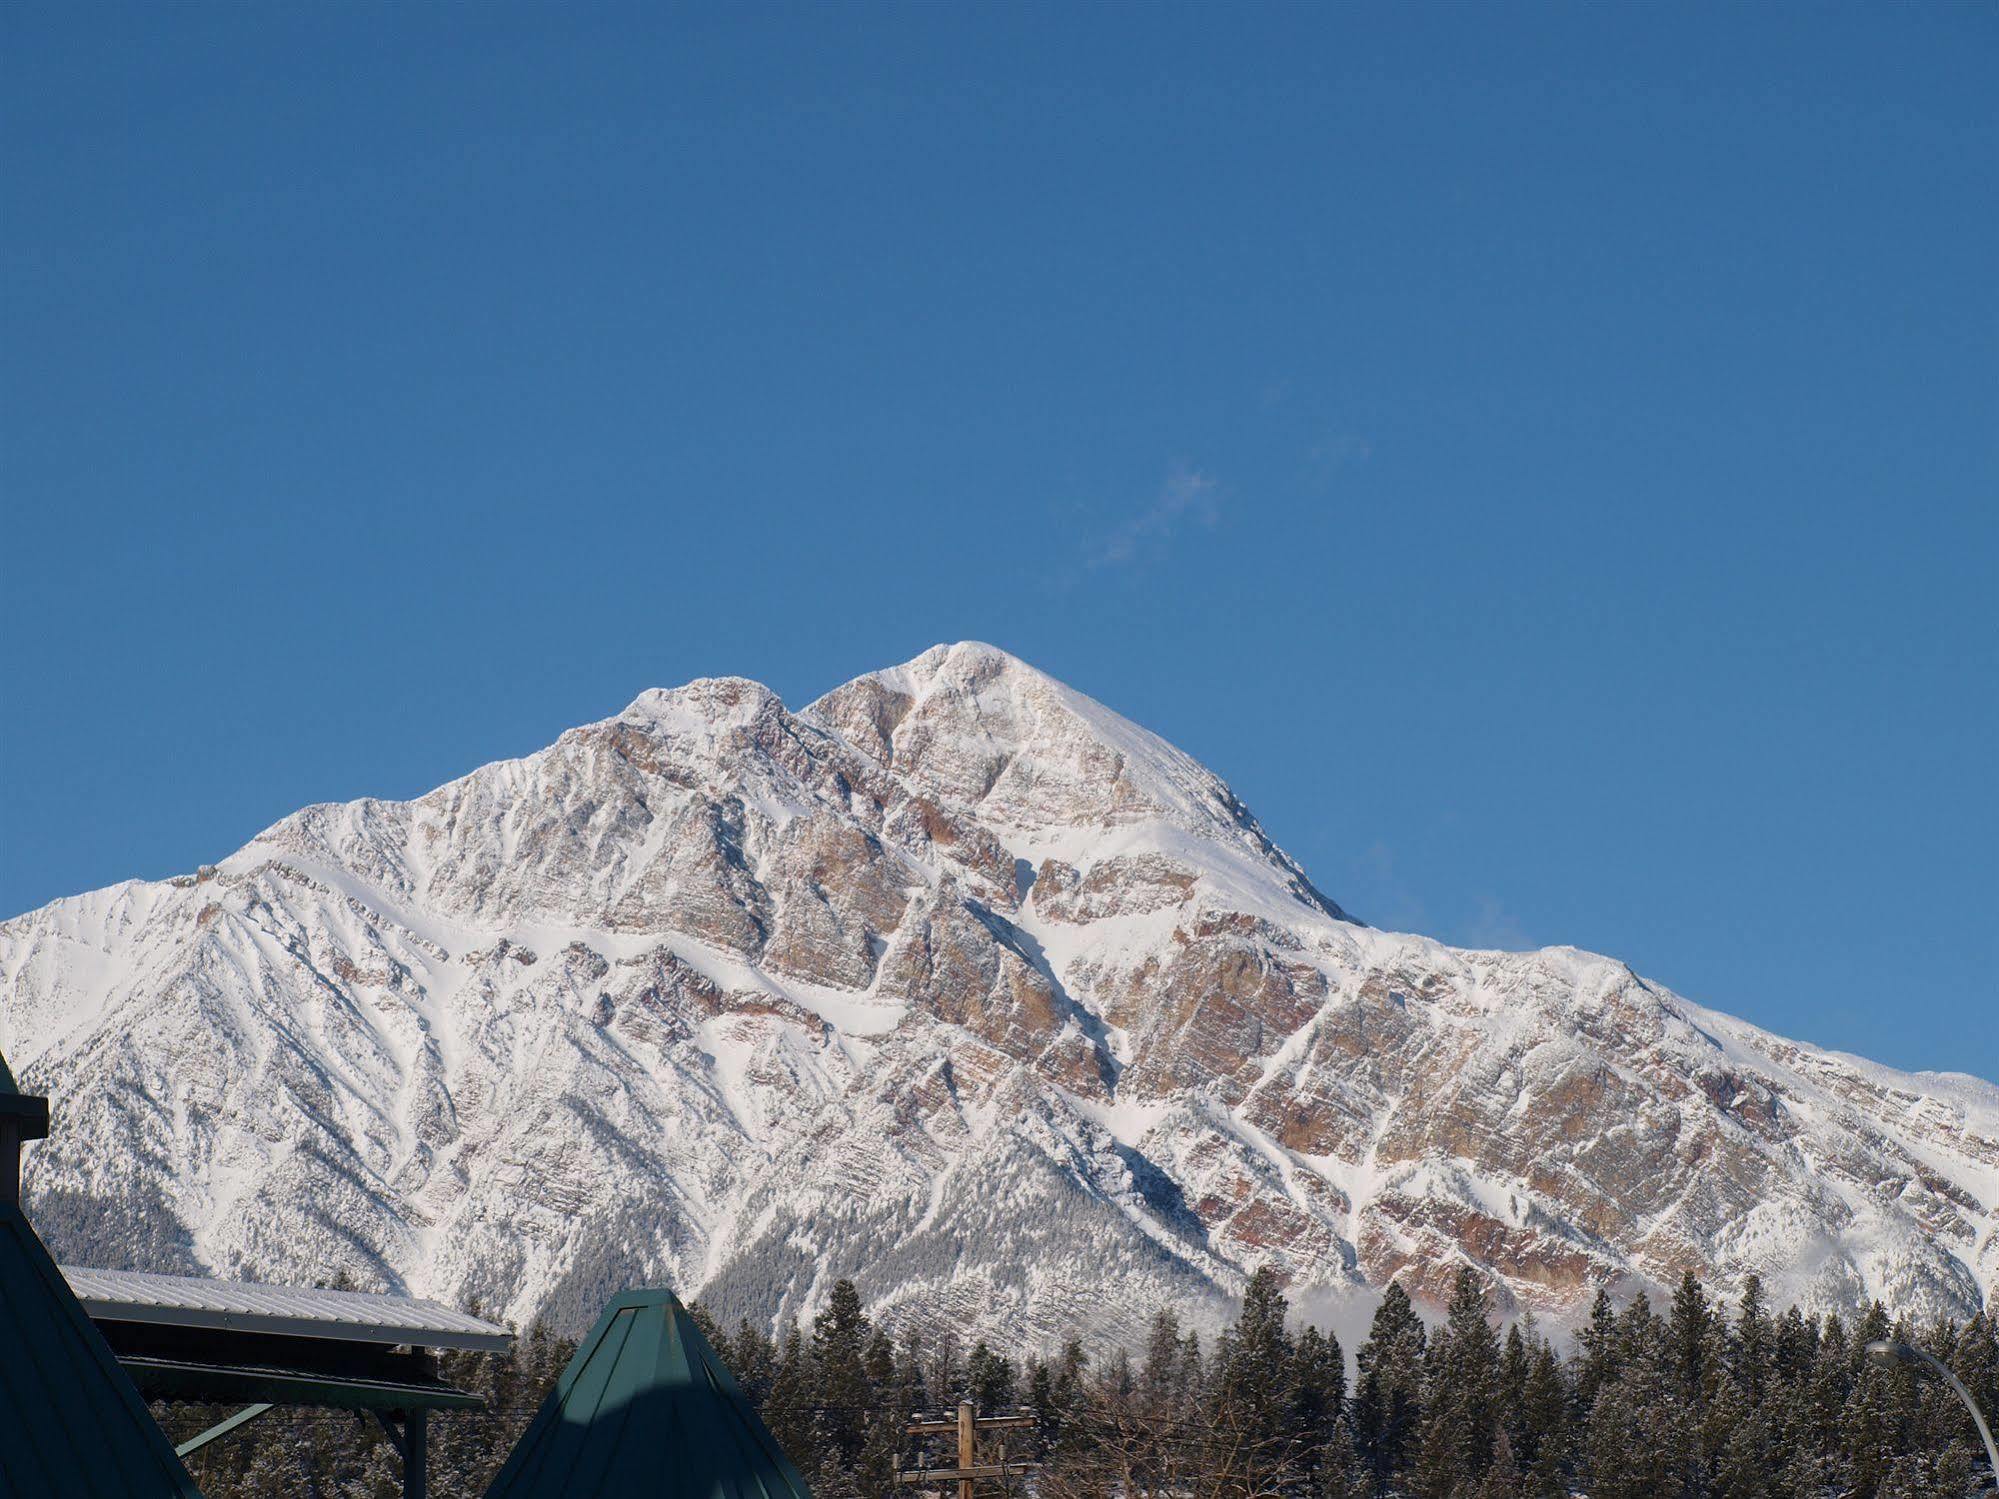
{"x": 1492, "y": 925}
{"x": 1187, "y": 498}
{"x": 1380, "y": 896}
{"x": 1378, "y": 893}
{"x": 1333, "y": 453}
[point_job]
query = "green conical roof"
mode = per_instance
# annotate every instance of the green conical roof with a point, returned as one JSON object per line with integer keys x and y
{"x": 646, "y": 1408}
{"x": 70, "y": 1421}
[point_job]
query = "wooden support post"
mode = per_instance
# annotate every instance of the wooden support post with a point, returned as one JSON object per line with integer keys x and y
{"x": 966, "y": 1428}
{"x": 416, "y": 1456}
{"x": 946, "y": 1475}
{"x": 23, "y": 1117}
{"x": 10, "y": 1160}
{"x": 221, "y": 1428}
{"x": 413, "y": 1443}
{"x": 391, "y": 1431}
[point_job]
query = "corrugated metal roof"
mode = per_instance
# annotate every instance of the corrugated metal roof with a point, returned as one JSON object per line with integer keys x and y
{"x": 70, "y": 1421}
{"x": 646, "y": 1407}
{"x": 241, "y": 1306}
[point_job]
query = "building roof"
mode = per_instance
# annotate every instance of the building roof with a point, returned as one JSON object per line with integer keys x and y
{"x": 31, "y": 1112}
{"x": 70, "y": 1420}
{"x": 645, "y": 1407}
{"x": 239, "y": 1306}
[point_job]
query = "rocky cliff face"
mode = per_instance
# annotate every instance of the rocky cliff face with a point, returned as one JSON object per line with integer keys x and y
{"x": 954, "y": 982}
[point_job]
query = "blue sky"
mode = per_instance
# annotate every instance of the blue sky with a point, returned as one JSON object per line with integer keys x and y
{"x": 1543, "y": 456}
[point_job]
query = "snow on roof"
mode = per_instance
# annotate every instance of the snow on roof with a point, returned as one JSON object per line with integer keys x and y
{"x": 294, "y": 1311}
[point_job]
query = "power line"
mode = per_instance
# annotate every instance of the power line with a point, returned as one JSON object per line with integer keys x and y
{"x": 966, "y": 1425}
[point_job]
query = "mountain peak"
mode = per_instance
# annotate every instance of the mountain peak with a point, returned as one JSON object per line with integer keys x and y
{"x": 945, "y": 665}
{"x": 963, "y": 659}
{"x": 700, "y": 704}
{"x": 978, "y": 726}
{"x": 957, "y": 954}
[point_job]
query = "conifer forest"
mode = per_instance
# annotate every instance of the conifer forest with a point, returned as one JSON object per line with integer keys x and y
{"x": 1695, "y": 1399}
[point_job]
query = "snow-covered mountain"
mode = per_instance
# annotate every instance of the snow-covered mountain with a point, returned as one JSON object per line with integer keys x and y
{"x": 955, "y": 982}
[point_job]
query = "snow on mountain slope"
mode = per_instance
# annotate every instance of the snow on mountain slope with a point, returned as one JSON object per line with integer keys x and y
{"x": 955, "y": 982}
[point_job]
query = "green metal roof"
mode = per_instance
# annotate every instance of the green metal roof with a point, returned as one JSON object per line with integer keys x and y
{"x": 70, "y": 1422}
{"x": 647, "y": 1408}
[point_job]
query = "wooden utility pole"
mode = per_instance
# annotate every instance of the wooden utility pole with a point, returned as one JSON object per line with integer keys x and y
{"x": 968, "y": 1472}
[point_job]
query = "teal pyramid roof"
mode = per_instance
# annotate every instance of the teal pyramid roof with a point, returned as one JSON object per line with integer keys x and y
{"x": 71, "y": 1424}
{"x": 646, "y": 1408}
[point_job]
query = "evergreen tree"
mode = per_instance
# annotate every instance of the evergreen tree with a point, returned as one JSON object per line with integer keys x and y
{"x": 1723, "y": 1405}
{"x": 788, "y": 1411}
{"x": 1511, "y": 1400}
{"x": 709, "y": 1329}
{"x": 1055, "y": 1394}
{"x": 1938, "y": 1474}
{"x": 752, "y": 1358}
{"x": 1318, "y": 1392}
{"x": 840, "y": 1391}
{"x": 1503, "y": 1479}
{"x": 1977, "y": 1361}
{"x": 1437, "y": 1472}
{"x": 887, "y": 1420}
{"x": 1601, "y": 1343}
{"x": 1871, "y": 1430}
{"x": 1626, "y": 1445}
{"x": 1754, "y": 1348}
{"x": 944, "y": 1373}
{"x": 989, "y": 1378}
{"x": 1161, "y": 1383}
{"x": 1162, "y": 1352}
{"x": 1626, "y": 1441}
{"x": 1462, "y": 1403}
{"x": 1388, "y": 1400}
{"x": 1545, "y": 1424}
{"x": 910, "y": 1359}
{"x": 1255, "y": 1373}
{"x": 1193, "y": 1372}
{"x": 1697, "y": 1350}
{"x": 1343, "y": 1472}
{"x": 1690, "y": 1332}
{"x": 1814, "y": 1451}
{"x": 1743, "y": 1463}
{"x": 1071, "y": 1367}
{"x": 1640, "y": 1334}
{"x": 1794, "y": 1422}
